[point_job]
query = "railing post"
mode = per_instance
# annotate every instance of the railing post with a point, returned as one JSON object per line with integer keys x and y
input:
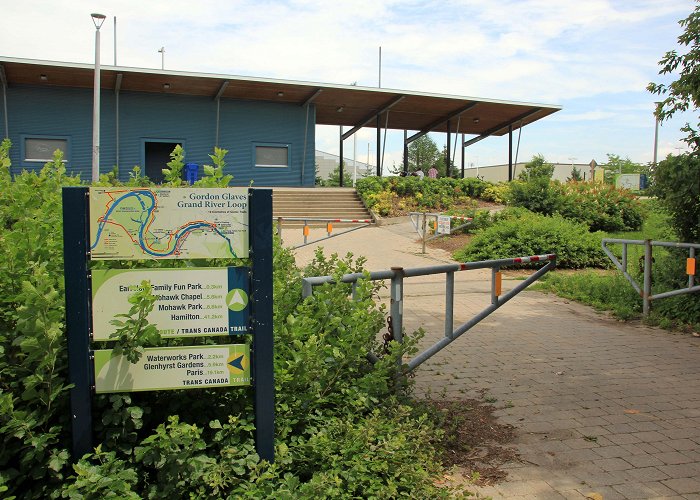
{"x": 624, "y": 257}
{"x": 425, "y": 228}
{"x": 449, "y": 303}
{"x": 646, "y": 291}
{"x": 396, "y": 308}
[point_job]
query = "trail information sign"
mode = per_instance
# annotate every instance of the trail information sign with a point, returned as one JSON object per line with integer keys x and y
{"x": 162, "y": 223}
{"x": 178, "y": 223}
{"x": 173, "y": 368}
{"x": 191, "y": 302}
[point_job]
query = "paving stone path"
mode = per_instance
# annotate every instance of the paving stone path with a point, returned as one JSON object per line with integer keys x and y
{"x": 601, "y": 407}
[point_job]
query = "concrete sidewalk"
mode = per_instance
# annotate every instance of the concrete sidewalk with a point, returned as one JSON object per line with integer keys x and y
{"x": 600, "y": 406}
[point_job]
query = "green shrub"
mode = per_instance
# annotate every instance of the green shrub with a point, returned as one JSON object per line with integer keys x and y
{"x": 415, "y": 194}
{"x": 601, "y": 206}
{"x": 522, "y": 234}
{"x": 198, "y": 443}
{"x": 539, "y": 195}
{"x": 669, "y": 274}
{"x": 497, "y": 193}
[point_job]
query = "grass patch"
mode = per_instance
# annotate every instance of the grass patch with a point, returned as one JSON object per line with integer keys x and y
{"x": 607, "y": 291}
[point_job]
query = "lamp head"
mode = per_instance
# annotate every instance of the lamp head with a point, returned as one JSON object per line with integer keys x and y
{"x": 98, "y": 19}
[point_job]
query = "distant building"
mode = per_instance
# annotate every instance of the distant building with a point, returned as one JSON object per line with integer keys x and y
{"x": 499, "y": 173}
{"x": 326, "y": 163}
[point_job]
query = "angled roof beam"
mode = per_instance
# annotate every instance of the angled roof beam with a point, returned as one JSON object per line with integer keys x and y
{"x": 501, "y": 126}
{"x": 372, "y": 116}
{"x": 312, "y": 97}
{"x": 3, "y": 78}
{"x": 118, "y": 83}
{"x": 439, "y": 122}
{"x": 218, "y": 95}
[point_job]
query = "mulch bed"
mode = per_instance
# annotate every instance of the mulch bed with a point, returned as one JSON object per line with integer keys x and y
{"x": 474, "y": 439}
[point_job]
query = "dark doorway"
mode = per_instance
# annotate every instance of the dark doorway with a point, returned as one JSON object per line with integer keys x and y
{"x": 156, "y": 157}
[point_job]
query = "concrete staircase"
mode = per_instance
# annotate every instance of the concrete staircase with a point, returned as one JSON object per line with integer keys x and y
{"x": 324, "y": 203}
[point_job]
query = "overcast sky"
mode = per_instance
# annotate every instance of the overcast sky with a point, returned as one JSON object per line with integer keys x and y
{"x": 592, "y": 57}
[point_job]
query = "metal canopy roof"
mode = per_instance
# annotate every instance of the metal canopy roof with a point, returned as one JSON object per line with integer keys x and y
{"x": 346, "y": 105}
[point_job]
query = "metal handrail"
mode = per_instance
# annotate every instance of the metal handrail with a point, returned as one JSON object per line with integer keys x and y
{"x": 329, "y": 227}
{"x": 397, "y": 275}
{"x": 645, "y": 290}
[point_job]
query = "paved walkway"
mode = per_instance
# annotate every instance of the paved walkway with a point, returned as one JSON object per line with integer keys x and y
{"x": 601, "y": 407}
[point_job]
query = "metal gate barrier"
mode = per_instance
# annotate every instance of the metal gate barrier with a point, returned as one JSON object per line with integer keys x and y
{"x": 645, "y": 290}
{"x": 397, "y": 275}
{"x": 329, "y": 227}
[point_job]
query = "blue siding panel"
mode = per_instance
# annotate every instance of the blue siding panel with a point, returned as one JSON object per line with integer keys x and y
{"x": 54, "y": 111}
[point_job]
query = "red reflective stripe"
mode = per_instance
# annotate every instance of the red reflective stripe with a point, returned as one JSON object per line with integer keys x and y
{"x": 462, "y": 267}
{"x": 535, "y": 258}
{"x": 551, "y": 256}
{"x": 517, "y": 260}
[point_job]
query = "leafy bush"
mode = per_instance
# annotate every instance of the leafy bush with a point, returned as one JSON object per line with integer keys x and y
{"x": 381, "y": 194}
{"x": 199, "y": 443}
{"x": 601, "y": 206}
{"x": 497, "y": 193}
{"x": 539, "y": 195}
{"x": 523, "y": 233}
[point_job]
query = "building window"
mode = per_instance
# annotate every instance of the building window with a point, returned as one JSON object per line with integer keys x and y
{"x": 272, "y": 155}
{"x": 41, "y": 149}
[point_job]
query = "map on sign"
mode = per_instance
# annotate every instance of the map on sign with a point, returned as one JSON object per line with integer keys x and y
{"x": 163, "y": 223}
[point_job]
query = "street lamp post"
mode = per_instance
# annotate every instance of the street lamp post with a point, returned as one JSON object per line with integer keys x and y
{"x": 162, "y": 57}
{"x": 97, "y": 19}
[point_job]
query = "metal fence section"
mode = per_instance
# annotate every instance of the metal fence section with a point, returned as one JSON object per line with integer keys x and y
{"x": 419, "y": 220}
{"x": 397, "y": 275}
{"x": 645, "y": 290}
{"x": 329, "y": 227}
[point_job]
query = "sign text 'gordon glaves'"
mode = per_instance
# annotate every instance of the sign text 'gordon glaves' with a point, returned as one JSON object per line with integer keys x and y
{"x": 161, "y": 223}
{"x": 190, "y": 302}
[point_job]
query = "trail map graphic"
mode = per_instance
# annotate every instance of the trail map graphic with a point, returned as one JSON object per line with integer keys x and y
{"x": 180, "y": 223}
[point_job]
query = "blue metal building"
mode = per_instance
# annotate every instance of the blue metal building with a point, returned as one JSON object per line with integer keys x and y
{"x": 267, "y": 125}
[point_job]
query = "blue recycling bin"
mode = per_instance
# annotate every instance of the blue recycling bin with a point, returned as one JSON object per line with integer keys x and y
{"x": 191, "y": 172}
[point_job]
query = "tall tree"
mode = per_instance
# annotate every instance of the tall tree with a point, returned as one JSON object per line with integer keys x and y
{"x": 677, "y": 178}
{"x": 423, "y": 153}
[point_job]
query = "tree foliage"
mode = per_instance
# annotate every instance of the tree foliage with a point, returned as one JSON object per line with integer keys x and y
{"x": 683, "y": 94}
{"x": 537, "y": 168}
{"x": 677, "y": 185}
{"x": 423, "y": 153}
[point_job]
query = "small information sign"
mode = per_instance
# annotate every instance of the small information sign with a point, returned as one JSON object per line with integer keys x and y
{"x": 161, "y": 223}
{"x": 443, "y": 224}
{"x": 173, "y": 368}
{"x": 191, "y": 302}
